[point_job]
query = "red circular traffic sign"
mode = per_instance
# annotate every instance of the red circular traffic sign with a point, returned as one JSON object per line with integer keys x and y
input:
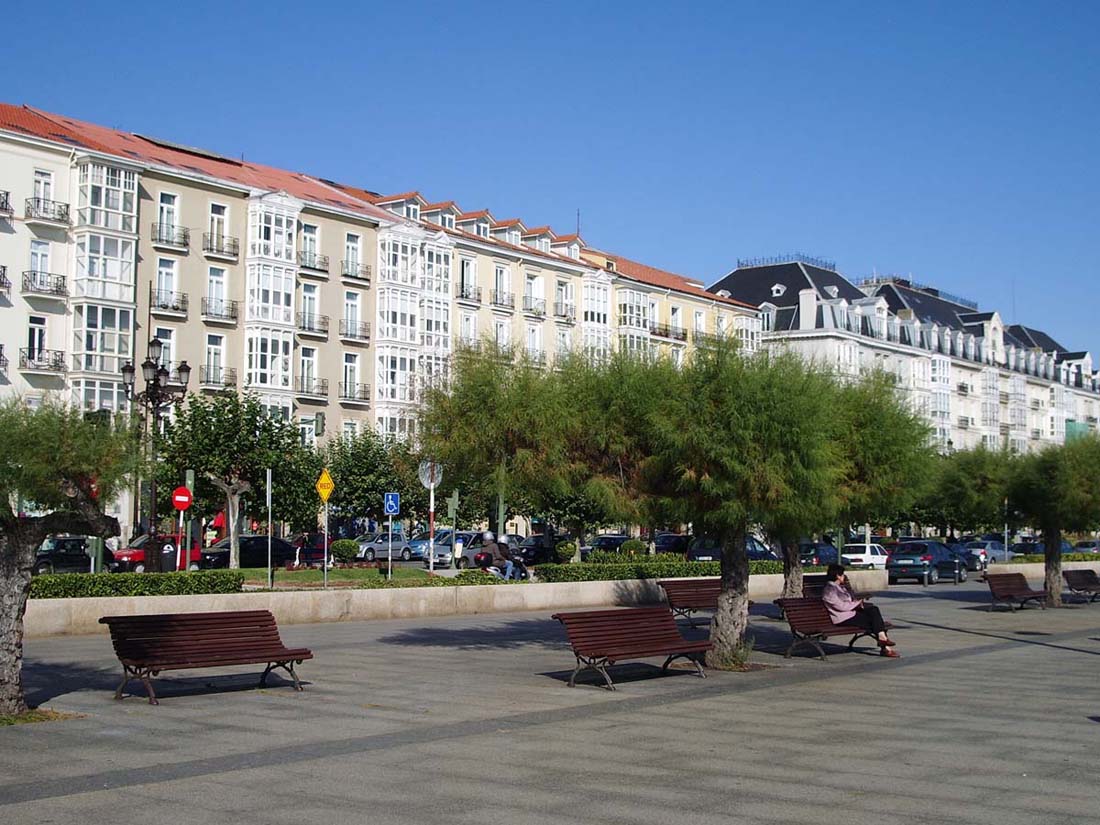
{"x": 181, "y": 498}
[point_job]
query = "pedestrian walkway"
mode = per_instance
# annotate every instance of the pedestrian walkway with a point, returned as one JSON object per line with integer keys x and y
{"x": 988, "y": 718}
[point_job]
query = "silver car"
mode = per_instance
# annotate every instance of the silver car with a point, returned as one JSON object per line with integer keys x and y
{"x": 378, "y": 547}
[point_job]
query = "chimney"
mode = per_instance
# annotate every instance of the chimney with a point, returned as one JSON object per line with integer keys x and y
{"x": 807, "y": 309}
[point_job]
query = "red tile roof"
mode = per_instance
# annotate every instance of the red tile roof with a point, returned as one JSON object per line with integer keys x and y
{"x": 403, "y": 196}
{"x": 481, "y": 213}
{"x": 507, "y": 222}
{"x": 439, "y": 207}
{"x": 136, "y": 148}
{"x": 667, "y": 280}
{"x": 538, "y": 230}
{"x": 567, "y": 238}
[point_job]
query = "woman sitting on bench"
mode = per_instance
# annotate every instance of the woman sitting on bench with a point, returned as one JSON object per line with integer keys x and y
{"x": 845, "y": 608}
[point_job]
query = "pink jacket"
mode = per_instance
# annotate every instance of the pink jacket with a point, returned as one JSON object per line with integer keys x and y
{"x": 839, "y": 602}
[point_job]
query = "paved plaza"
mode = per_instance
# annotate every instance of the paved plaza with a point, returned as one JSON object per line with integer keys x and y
{"x": 987, "y": 718}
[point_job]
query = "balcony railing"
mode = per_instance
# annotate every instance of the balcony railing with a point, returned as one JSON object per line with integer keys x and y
{"x": 964, "y": 422}
{"x": 215, "y": 376}
{"x": 500, "y": 298}
{"x": 1004, "y": 397}
{"x": 536, "y": 357}
{"x": 42, "y": 360}
{"x": 163, "y": 300}
{"x": 307, "y": 385}
{"x": 5, "y": 284}
{"x": 354, "y": 269}
{"x": 468, "y": 292}
{"x": 44, "y": 283}
{"x": 564, "y": 310}
{"x": 5, "y": 203}
{"x": 355, "y": 392}
{"x": 1036, "y": 434}
{"x": 668, "y": 331}
{"x": 312, "y": 324}
{"x": 219, "y": 309}
{"x": 224, "y": 246}
{"x": 964, "y": 389}
{"x": 533, "y": 305}
{"x": 43, "y": 209}
{"x": 356, "y": 330}
{"x": 311, "y": 260}
{"x": 3, "y": 359}
{"x": 170, "y": 234}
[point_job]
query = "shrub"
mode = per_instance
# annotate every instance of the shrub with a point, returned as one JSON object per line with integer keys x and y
{"x": 465, "y": 578}
{"x": 634, "y": 547}
{"x": 656, "y": 569}
{"x": 566, "y": 551}
{"x": 1040, "y": 558}
{"x": 345, "y": 550}
{"x": 477, "y": 577}
{"x": 607, "y": 557}
{"x": 87, "y": 585}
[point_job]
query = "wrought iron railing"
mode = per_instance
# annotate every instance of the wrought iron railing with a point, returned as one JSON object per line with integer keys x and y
{"x": 308, "y": 385}
{"x": 500, "y": 298}
{"x": 220, "y": 309}
{"x": 215, "y": 243}
{"x": 45, "y": 360}
{"x": 44, "y": 283}
{"x": 312, "y": 260}
{"x": 163, "y": 300}
{"x": 357, "y": 330}
{"x": 468, "y": 292}
{"x": 311, "y": 322}
{"x": 171, "y": 234}
{"x": 44, "y": 209}
{"x": 354, "y": 392}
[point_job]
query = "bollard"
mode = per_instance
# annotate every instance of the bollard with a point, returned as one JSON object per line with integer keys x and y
{"x": 924, "y": 581}
{"x": 956, "y": 571}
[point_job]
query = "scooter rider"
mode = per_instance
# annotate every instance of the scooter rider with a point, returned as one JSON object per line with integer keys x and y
{"x": 502, "y": 557}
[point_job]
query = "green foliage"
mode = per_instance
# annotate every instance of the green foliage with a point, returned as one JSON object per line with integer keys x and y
{"x": 365, "y": 467}
{"x": 87, "y": 585}
{"x": 464, "y": 579}
{"x": 967, "y": 490}
{"x": 657, "y": 569}
{"x": 607, "y": 557}
{"x": 565, "y": 551}
{"x": 634, "y": 547}
{"x": 477, "y": 577}
{"x": 1038, "y": 558}
{"x": 345, "y": 550}
{"x": 52, "y": 452}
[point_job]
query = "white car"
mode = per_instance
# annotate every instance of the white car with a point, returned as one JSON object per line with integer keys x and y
{"x": 867, "y": 557}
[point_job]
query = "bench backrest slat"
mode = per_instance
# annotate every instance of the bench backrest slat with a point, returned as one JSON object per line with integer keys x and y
{"x": 189, "y": 636}
{"x": 1006, "y": 585}
{"x": 701, "y": 593}
{"x": 805, "y": 614}
{"x": 604, "y": 630}
{"x": 1081, "y": 579}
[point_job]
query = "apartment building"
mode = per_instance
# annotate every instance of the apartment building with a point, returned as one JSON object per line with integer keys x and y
{"x": 335, "y": 304}
{"x": 978, "y": 380}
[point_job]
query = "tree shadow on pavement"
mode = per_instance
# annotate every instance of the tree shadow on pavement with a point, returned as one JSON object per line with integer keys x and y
{"x": 510, "y": 635}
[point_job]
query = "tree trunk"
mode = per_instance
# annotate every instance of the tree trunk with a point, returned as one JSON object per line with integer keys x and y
{"x": 1052, "y": 558}
{"x": 16, "y": 558}
{"x": 792, "y": 570}
{"x": 731, "y": 619}
{"x": 232, "y": 518}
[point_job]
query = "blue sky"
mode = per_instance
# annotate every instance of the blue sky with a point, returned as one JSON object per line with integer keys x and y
{"x": 953, "y": 142}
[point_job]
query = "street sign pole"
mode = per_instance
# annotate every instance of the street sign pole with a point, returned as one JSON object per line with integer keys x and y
{"x": 270, "y": 570}
{"x": 391, "y": 506}
{"x": 179, "y": 544}
{"x": 325, "y": 561}
{"x": 389, "y": 554}
{"x": 181, "y": 500}
{"x": 430, "y": 474}
{"x": 325, "y": 486}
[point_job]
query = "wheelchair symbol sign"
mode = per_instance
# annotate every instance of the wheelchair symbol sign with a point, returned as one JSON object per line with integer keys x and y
{"x": 391, "y": 504}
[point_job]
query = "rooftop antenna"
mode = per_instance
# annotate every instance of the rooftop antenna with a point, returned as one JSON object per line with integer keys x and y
{"x": 578, "y": 222}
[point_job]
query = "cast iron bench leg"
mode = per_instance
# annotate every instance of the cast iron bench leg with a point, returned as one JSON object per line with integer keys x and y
{"x": 288, "y": 667}
{"x": 691, "y": 657}
{"x": 145, "y": 680}
{"x": 127, "y": 675}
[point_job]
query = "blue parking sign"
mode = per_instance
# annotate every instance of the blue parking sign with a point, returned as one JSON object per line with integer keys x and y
{"x": 391, "y": 504}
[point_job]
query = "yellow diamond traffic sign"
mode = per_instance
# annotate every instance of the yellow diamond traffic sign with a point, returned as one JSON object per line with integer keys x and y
{"x": 325, "y": 485}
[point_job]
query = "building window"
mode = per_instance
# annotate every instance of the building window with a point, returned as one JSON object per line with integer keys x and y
{"x": 307, "y": 364}
{"x": 219, "y": 223}
{"x": 101, "y": 337}
{"x": 468, "y": 329}
{"x": 447, "y": 220}
{"x": 40, "y": 257}
{"x": 104, "y": 268}
{"x": 351, "y": 373}
{"x": 309, "y": 300}
{"x": 310, "y": 245}
{"x": 437, "y": 325}
{"x": 534, "y": 341}
{"x": 91, "y": 395}
{"x": 36, "y": 335}
{"x": 43, "y": 185}
{"x": 166, "y": 280}
{"x": 215, "y": 289}
{"x": 167, "y": 337}
{"x": 500, "y": 332}
{"x": 412, "y": 211}
{"x": 396, "y": 373}
{"x": 597, "y": 303}
{"x": 437, "y": 270}
{"x": 107, "y": 197}
{"x": 215, "y": 359}
{"x": 272, "y": 234}
{"x": 307, "y": 430}
{"x": 400, "y": 261}
{"x": 397, "y": 314}
{"x": 467, "y": 274}
{"x": 501, "y": 279}
{"x": 269, "y": 357}
{"x": 483, "y": 229}
{"x": 270, "y": 293}
{"x": 633, "y": 310}
{"x": 351, "y": 309}
{"x": 562, "y": 343}
{"x": 167, "y": 212}
{"x": 350, "y": 430}
{"x": 353, "y": 251}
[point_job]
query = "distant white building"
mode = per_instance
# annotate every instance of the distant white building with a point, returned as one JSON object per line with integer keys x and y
{"x": 976, "y": 379}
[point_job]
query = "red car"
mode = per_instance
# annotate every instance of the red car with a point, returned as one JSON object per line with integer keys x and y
{"x": 131, "y": 559}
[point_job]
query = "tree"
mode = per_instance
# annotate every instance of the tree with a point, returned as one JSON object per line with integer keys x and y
{"x": 65, "y": 468}
{"x": 231, "y": 440}
{"x": 741, "y": 440}
{"x": 971, "y": 489}
{"x": 1056, "y": 489}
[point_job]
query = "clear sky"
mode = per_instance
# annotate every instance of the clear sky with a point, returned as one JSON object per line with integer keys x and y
{"x": 953, "y": 142}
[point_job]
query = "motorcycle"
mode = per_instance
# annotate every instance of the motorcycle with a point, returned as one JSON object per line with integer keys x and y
{"x": 484, "y": 562}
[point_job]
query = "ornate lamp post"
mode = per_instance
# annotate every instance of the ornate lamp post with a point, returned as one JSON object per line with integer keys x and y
{"x": 157, "y": 397}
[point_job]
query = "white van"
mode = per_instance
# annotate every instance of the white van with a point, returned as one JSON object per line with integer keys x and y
{"x": 864, "y": 556}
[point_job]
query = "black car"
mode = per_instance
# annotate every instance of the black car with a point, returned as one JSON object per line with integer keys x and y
{"x": 915, "y": 559}
{"x": 817, "y": 554}
{"x": 540, "y": 549}
{"x": 253, "y": 553}
{"x": 1038, "y": 548}
{"x": 709, "y": 548}
{"x": 65, "y": 554}
{"x": 671, "y": 543}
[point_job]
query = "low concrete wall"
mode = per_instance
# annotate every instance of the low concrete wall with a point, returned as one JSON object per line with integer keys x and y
{"x": 58, "y": 617}
{"x": 1036, "y": 571}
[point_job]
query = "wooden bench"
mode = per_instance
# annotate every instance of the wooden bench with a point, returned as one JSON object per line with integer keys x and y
{"x": 1083, "y": 583}
{"x": 811, "y": 625}
{"x": 600, "y": 638}
{"x": 685, "y": 596}
{"x": 1013, "y": 589}
{"x": 813, "y": 585}
{"x": 146, "y": 645}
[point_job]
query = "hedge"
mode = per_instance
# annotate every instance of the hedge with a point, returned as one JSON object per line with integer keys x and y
{"x": 656, "y": 569}
{"x": 87, "y": 585}
{"x": 345, "y": 550}
{"x": 1040, "y": 558}
{"x": 466, "y": 577}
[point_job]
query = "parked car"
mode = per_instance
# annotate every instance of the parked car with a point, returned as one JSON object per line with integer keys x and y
{"x": 671, "y": 543}
{"x": 912, "y": 559}
{"x": 444, "y": 548}
{"x": 311, "y": 547}
{"x": 817, "y": 553}
{"x": 131, "y": 558}
{"x": 65, "y": 554}
{"x": 611, "y": 542}
{"x": 864, "y": 556}
{"x": 709, "y": 548}
{"x": 1038, "y": 548}
{"x": 253, "y": 553}
{"x": 1087, "y": 546}
{"x": 987, "y": 552}
{"x": 474, "y": 546}
{"x": 418, "y": 544}
{"x": 539, "y": 548}
{"x": 378, "y": 547}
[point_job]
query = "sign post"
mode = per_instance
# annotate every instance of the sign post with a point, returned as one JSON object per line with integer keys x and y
{"x": 431, "y": 473}
{"x": 181, "y": 500}
{"x": 325, "y": 486}
{"x": 391, "y": 506}
{"x": 452, "y": 517}
{"x": 270, "y": 569}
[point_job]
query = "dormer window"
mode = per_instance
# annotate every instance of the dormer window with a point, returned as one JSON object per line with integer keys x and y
{"x": 543, "y": 244}
{"x": 778, "y": 290}
{"x": 447, "y": 220}
{"x": 574, "y": 250}
{"x": 412, "y": 211}
{"x": 832, "y": 290}
{"x": 610, "y": 266}
{"x": 514, "y": 237}
{"x": 483, "y": 229}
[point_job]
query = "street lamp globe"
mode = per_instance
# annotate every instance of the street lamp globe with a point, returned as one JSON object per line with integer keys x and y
{"x": 156, "y": 349}
{"x": 184, "y": 370}
{"x": 128, "y": 375}
{"x": 162, "y": 377}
